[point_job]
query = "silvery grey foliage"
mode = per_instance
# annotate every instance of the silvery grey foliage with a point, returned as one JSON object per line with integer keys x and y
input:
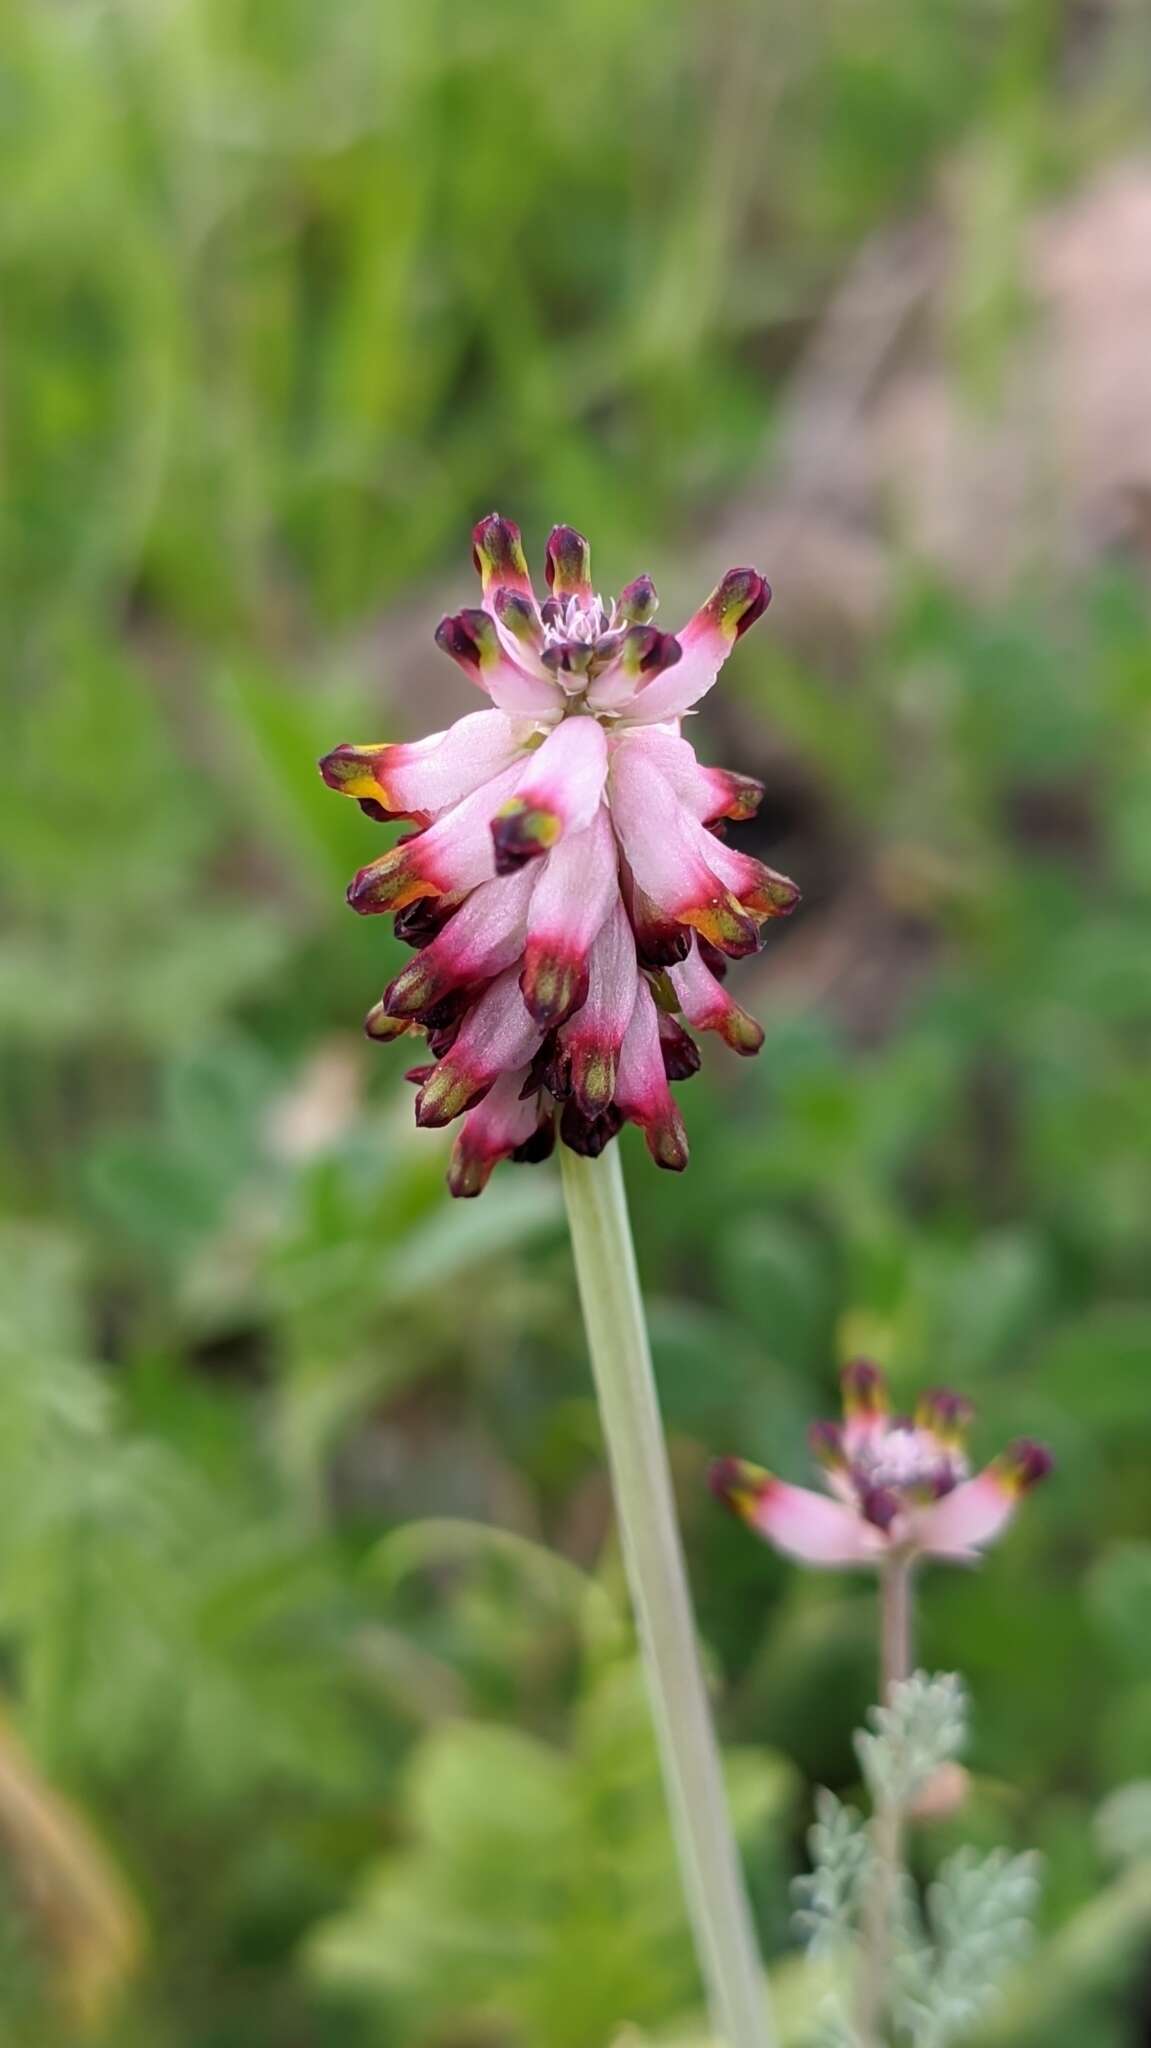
{"x": 953, "y": 1959}
{"x": 831, "y": 1895}
{"x": 924, "y": 1726}
{"x": 949, "y": 1953}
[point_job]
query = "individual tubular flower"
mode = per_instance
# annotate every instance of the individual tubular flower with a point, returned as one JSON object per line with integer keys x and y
{"x": 507, "y": 1124}
{"x": 896, "y": 1486}
{"x": 563, "y": 886}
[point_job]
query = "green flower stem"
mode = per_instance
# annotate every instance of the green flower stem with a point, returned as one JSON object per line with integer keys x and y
{"x": 625, "y": 1384}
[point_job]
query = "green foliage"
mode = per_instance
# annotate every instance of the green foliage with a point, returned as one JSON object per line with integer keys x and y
{"x": 539, "y": 1895}
{"x": 293, "y": 292}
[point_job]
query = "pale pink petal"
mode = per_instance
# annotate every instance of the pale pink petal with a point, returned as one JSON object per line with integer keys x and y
{"x": 644, "y": 653}
{"x": 978, "y": 1510}
{"x": 813, "y": 1528}
{"x": 669, "y": 853}
{"x": 708, "y": 793}
{"x": 496, "y": 1035}
{"x": 959, "y": 1524}
{"x": 472, "y": 638}
{"x": 485, "y": 935}
{"x": 423, "y": 778}
{"x": 798, "y": 1521}
{"x": 759, "y": 889}
{"x": 558, "y": 791}
{"x": 706, "y": 641}
{"x": 578, "y": 886}
{"x": 641, "y": 1091}
{"x": 497, "y": 1127}
{"x": 590, "y": 1041}
{"x": 521, "y": 630}
{"x": 702, "y": 793}
{"x": 451, "y": 856}
{"x": 706, "y": 1004}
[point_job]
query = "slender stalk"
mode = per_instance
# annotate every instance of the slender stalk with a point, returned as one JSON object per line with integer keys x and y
{"x": 887, "y": 1826}
{"x": 621, "y": 1363}
{"x": 895, "y": 1627}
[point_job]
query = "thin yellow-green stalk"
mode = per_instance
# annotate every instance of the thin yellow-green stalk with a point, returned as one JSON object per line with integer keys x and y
{"x": 625, "y": 1384}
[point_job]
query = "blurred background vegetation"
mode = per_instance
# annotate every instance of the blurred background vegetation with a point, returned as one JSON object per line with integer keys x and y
{"x": 318, "y": 1719}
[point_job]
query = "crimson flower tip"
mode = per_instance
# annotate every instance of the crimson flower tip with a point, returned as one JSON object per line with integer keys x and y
{"x": 1025, "y": 1463}
{"x": 864, "y": 1388}
{"x": 637, "y": 601}
{"x": 737, "y": 1484}
{"x": 739, "y": 600}
{"x": 351, "y": 770}
{"x": 825, "y": 1441}
{"x": 567, "y": 563}
{"x": 498, "y": 554}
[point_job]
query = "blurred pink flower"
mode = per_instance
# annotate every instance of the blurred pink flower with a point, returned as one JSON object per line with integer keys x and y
{"x": 896, "y": 1486}
{"x": 565, "y": 886}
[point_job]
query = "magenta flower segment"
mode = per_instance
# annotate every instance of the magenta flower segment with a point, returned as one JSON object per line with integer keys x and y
{"x": 566, "y": 887}
{"x": 896, "y": 1486}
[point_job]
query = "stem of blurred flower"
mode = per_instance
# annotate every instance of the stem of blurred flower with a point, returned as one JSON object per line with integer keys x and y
{"x": 629, "y": 1407}
{"x": 895, "y": 1586}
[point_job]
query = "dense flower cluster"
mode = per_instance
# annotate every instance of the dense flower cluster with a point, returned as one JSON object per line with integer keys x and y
{"x": 896, "y": 1485}
{"x": 566, "y": 887}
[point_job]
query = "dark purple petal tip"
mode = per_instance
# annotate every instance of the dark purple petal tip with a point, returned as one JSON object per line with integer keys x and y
{"x": 637, "y": 601}
{"x": 825, "y": 1440}
{"x": 568, "y": 562}
{"x": 864, "y": 1388}
{"x": 1027, "y": 1462}
{"x": 498, "y": 552}
{"x": 880, "y": 1505}
{"x": 739, "y": 600}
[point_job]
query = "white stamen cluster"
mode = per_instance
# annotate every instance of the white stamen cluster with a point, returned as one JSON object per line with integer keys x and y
{"x": 902, "y": 1459}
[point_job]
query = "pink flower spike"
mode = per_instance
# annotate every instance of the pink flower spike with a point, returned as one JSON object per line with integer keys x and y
{"x": 561, "y": 863}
